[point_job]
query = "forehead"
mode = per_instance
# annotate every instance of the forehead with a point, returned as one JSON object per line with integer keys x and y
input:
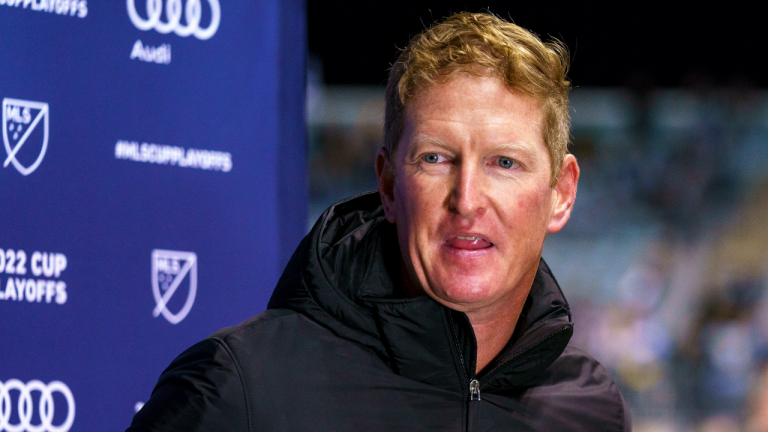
{"x": 467, "y": 105}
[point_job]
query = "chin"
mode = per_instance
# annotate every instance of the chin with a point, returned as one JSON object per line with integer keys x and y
{"x": 466, "y": 291}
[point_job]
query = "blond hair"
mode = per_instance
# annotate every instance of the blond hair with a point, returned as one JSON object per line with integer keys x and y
{"x": 483, "y": 44}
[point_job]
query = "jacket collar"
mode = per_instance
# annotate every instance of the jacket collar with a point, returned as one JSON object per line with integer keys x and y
{"x": 345, "y": 275}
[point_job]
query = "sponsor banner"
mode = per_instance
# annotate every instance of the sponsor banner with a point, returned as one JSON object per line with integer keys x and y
{"x": 172, "y": 155}
{"x": 127, "y": 234}
{"x": 35, "y": 406}
{"x": 33, "y": 281}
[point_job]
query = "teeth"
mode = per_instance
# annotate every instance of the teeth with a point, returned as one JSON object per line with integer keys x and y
{"x": 466, "y": 238}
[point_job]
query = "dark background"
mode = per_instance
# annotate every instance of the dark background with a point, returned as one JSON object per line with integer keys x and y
{"x": 612, "y": 44}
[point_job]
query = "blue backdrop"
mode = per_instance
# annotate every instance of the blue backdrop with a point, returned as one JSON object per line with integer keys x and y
{"x": 152, "y": 186}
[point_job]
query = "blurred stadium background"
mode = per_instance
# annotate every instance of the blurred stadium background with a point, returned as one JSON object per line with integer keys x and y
{"x": 665, "y": 259}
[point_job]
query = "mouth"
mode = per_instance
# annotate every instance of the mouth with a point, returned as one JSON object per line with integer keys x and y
{"x": 468, "y": 242}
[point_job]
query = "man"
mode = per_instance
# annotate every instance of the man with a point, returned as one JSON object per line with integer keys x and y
{"x": 425, "y": 306}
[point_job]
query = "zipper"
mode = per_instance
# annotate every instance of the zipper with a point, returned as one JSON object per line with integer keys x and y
{"x": 473, "y": 406}
{"x": 474, "y": 390}
{"x": 454, "y": 332}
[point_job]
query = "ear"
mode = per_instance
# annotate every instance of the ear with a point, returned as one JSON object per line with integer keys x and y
{"x": 564, "y": 194}
{"x": 384, "y": 173}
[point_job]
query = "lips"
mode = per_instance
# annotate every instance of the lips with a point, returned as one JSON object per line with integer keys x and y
{"x": 468, "y": 242}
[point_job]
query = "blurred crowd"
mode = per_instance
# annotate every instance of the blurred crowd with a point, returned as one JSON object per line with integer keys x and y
{"x": 665, "y": 259}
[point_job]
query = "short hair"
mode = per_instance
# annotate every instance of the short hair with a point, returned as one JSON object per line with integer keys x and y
{"x": 484, "y": 44}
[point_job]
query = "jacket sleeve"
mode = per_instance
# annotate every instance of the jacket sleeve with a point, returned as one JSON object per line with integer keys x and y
{"x": 201, "y": 390}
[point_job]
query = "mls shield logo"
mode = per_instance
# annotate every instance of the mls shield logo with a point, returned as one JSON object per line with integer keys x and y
{"x": 21, "y": 129}
{"x": 169, "y": 270}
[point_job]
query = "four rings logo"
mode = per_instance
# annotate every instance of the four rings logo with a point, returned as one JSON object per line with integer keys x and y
{"x": 173, "y": 9}
{"x": 18, "y": 125}
{"x": 167, "y": 274}
{"x": 25, "y": 408}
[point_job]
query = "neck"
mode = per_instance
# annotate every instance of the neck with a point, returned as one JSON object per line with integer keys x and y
{"x": 493, "y": 326}
{"x": 492, "y": 332}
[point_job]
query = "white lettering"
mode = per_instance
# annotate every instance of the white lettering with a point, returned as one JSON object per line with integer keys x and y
{"x": 10, "y": 261}
{"x": 30, "y": 289}
{"x": 10, "y": 257}
{"x": 35, "y": 263}
{"x": 159, "y": 55}
{"x": 47, "y": 264}
{"x": 60, "y": 265}
{"x": 162, "y": 265}
{"x": 61, "y": 7}
{"x": 171, "y": 155}
{"x": 10, "y": 290}
{"x": 19, "y": 288}
{"x": 21, "y": 256}
{"x": 12, "y": 113}
{"x": 170, "y": 266}
{"x": 40, "y": 290}
{"x": 61, "y": 292}
{"x": 43, "y": 263}
{"x": 35, "y": 290}
{"x": 50, "y": 287}
{"x": 18, "y": 115}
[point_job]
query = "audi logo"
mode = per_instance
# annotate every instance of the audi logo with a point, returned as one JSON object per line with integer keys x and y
{"x": 173, "y": 9}
{"x": 25, "y": 408}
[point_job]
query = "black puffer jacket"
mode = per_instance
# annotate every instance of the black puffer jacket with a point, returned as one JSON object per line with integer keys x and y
{"x": 339, "y": 350}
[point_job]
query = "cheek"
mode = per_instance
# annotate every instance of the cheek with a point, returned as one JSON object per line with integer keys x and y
{"x": 528, "y": 210}
{"x": 421, "y": 203}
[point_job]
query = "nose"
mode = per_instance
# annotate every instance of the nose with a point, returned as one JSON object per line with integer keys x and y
{"x": 468, "y": 197}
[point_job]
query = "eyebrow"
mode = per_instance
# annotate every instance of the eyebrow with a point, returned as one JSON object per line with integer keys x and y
{"x": 516, "y": 147}
{"x": 424, "y": 139}
{"x": 510, "y": 146}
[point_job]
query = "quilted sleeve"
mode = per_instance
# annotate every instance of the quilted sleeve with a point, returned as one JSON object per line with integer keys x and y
{"x": 201, "y": 390}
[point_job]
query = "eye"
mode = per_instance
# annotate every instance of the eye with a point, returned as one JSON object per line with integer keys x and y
{"x": 431, "y": 158}
{"x": 506, "y": 162}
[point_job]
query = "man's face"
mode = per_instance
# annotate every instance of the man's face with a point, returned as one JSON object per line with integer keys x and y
{"x": 471, "y": 193}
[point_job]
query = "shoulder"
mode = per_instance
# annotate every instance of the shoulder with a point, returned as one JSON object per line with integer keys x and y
{"x": 576, "y": 368}
{"x": 203, "y": 388}
{"x": 254, "y": 329}
{"x": 270, "y": 334}
{"x": 199, "y": 390}
{"x": 222, "y": 349}
{"x": 577, "y": 386}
